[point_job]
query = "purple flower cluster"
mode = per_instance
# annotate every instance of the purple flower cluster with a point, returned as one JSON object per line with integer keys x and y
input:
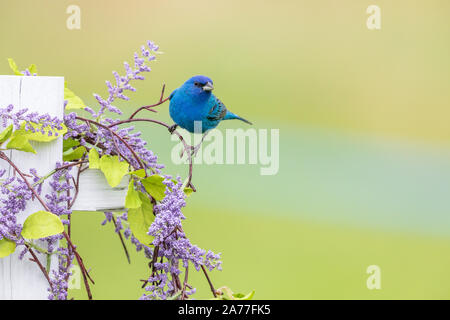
{"x": 60, "y": 277}
{"x": 15, "y": 195}
{"x": 174, "y": 248}
{"x": 110, "y": 143}
{"x": 45, "y": 121}
{"x": 27, "y": 73}
{"x": 116, "y": 91}
{"x": 58, "y": 200}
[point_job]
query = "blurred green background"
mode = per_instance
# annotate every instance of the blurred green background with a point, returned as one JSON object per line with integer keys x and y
{"x": 364, "y": 137}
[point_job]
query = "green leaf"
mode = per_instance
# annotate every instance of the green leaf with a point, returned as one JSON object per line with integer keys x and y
{"x": 240, "y": 296}
{"x": 14, "y": 67}
{"x": 188, "y": 191}
{"x": 140, "y": 219}
{"x": 74, "y": 154}
{"x": 73, "y": 101}
{"x": 20, "y": 143}
{"x": 225, "y": 293}
{"x": 6, "y": 247}
{"x": 20, "y": 138}
{"x": 113, "y": 169}
{"x": 38, "y": 135}
{"x": 6, "y": 134}
{"x": 33, "y": 69}
{"x": 70, "y": 143}
{"x": 42, "y": 224}
{"x": 138, "y": 173}
{"x": 94, "y": 159}
{"x": 154, "y": 186}
{"x": 132, "y": 200}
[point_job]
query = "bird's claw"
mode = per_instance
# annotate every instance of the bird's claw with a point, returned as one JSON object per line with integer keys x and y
{"x": 172, "y": 128}
{"x": 193, "y": 150}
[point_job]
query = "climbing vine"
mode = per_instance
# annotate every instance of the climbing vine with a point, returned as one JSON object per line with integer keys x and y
{"x": 152, "y": 219}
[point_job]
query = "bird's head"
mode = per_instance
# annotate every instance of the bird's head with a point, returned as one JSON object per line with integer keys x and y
{"x": 199, "y": 86}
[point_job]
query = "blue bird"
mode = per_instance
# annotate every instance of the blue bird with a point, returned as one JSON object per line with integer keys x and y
{"x": 194, "y": 101}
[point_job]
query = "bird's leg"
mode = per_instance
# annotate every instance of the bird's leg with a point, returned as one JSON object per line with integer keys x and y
{"x": 195, "y": 149}
{"x": 173, "y": 128}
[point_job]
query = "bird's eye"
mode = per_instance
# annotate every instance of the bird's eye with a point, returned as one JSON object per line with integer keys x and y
{"x": 197, "y": 84}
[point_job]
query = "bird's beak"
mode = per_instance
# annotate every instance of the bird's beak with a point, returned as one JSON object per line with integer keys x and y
{"x": 208, "y": 86}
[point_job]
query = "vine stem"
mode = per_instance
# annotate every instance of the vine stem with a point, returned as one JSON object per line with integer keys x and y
{"x": 121, "y": 240}
{"x": 48, "y": 175}
{"x": 69, "y": 242}
{"x": 185, "y": 283}
{"x": 98, "y": 124}
{"x": 149, "y": 108}
{"x": 186, "y": 147}
{"x": 209, "y": 281}
{"x": 36, "y": 260}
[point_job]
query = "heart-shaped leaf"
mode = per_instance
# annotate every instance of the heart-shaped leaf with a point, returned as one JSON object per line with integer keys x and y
{"x": 6, "y": 247}
{"x": 140, "y": 220}
{"x": 154, "y": 186}
{"x": 74, "y": 154}
{"x": 132, "y": 200}
{"x": 94, "y": 159}
{"x": 6, "y": 134}
{"x": 42, "y": 224}
{"x": 113, "y": 169}
{"x": 20, "y": 143}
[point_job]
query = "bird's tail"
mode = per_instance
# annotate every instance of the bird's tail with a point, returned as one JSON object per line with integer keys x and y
{"x": 231, "y": 116}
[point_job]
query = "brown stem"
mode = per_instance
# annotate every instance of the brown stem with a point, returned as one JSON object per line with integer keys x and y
{"x": 121, "y": 240}
{"x": 187, "y": 148}
{"x": 116, "y": 135}
{"x": 161, "y": 101}
{"x": 209, "y": 281}
{"x": 186, "y": 274}
{"x": 152, "y": 264}
{"x": 84, "y": 272}
{"x": 71, "y": 165}
{"x": 36, "y": 260}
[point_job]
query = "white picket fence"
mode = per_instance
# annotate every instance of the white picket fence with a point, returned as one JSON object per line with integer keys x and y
{"x": 22, "y": 279}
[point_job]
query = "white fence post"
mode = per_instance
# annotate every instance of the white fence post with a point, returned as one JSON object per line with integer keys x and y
{"x": 23, "y": 279}
{"x": 96, "y": 195}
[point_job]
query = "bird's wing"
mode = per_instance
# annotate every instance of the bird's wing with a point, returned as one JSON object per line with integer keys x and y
{"x": 217, "y": 111}
{"x": 171, "y": 95}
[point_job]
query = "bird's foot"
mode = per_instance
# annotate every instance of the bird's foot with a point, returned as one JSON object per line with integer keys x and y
{"x": 195, "y": 149}
{"x": 192, "y": 149}
{"x": 173, "y": 128}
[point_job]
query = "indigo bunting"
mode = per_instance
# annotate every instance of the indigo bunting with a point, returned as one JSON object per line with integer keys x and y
{"x": 194, "y": 101}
